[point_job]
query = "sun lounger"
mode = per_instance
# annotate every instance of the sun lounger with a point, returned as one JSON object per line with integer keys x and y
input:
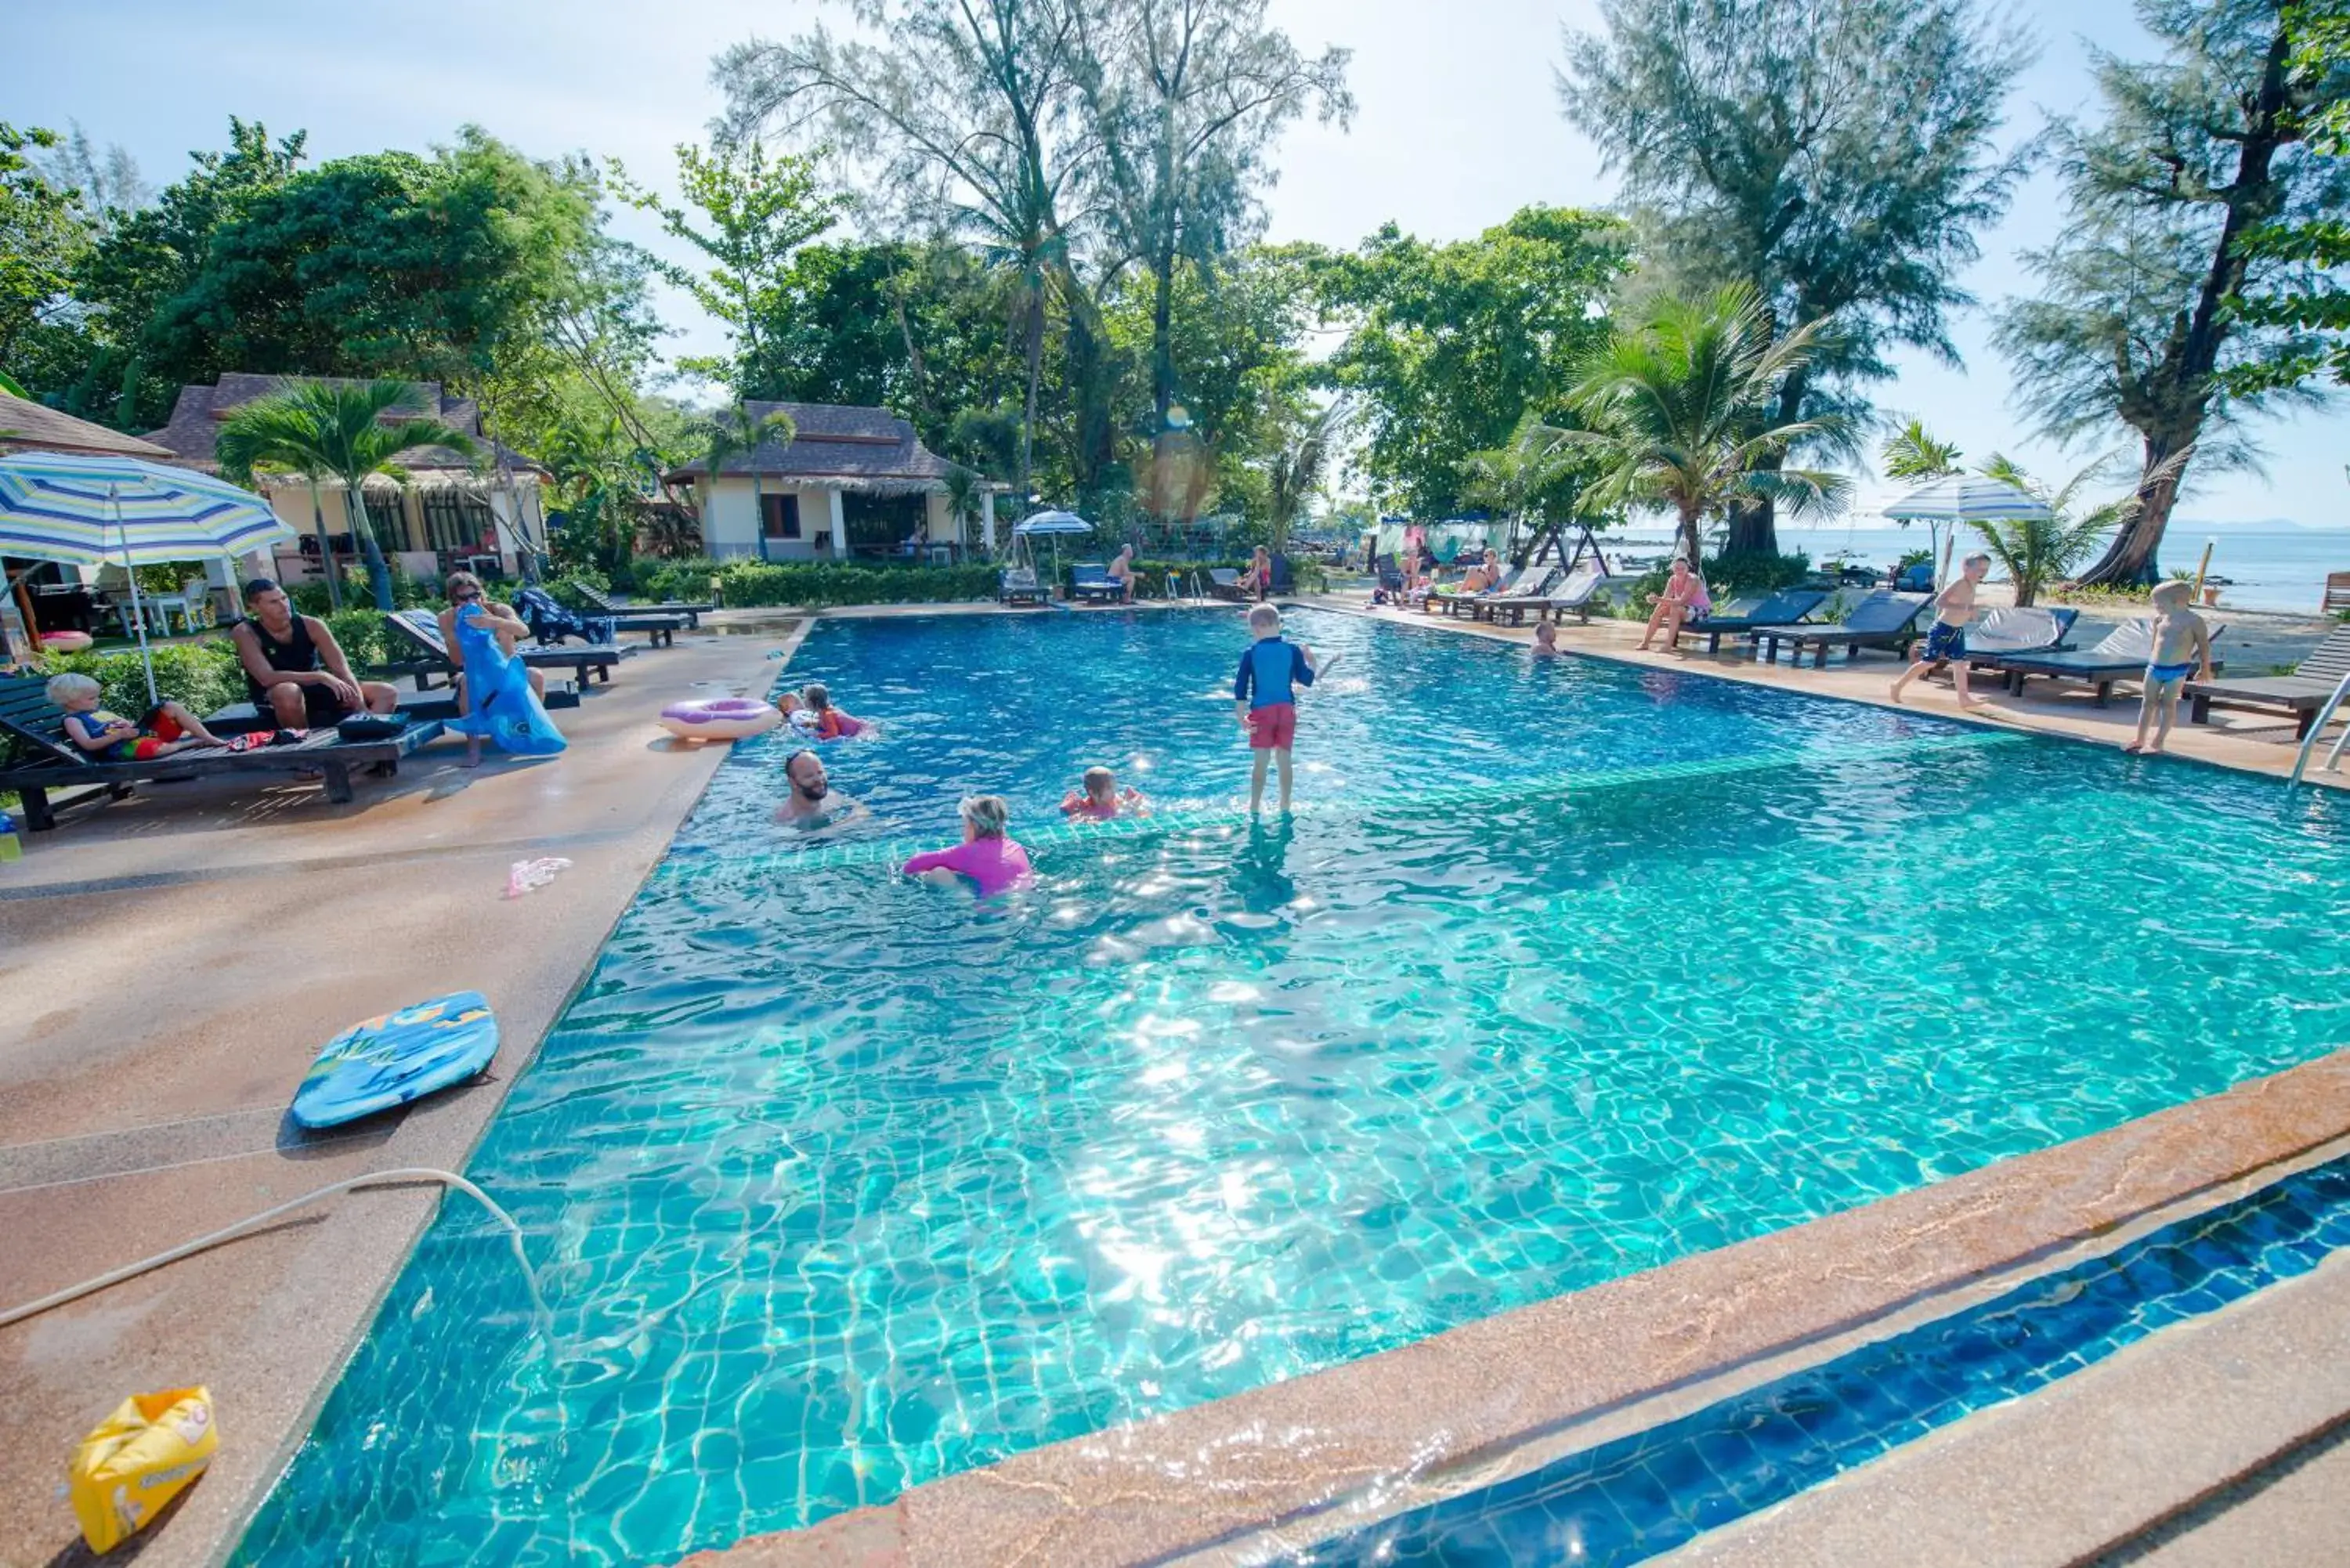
{"x": 2013, "y": 631}
{"x": 1091, "y": 580}
{"x": 1019, "y": 585}
{"x": 2301, "y": 693}
{"x": 1575, "y": 591}
{"x": 1224, "y": 582}
{"x": 1452, "y": 601}
{"x": 2337, "y": 594}
{"x": 606, "y": 605}
{"x": 2120, "y": 655}
{"x": 420, "y": 630}
{"x": 551, "y": 621}
{"x": 243, "y": 718}
{"x": 41, "y": 759}
{"x": 1788, "y": 607}
{"x": 1883, "y": 619}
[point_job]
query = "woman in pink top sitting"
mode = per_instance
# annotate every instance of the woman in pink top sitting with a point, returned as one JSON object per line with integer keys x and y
{"x": 986, "y": 856}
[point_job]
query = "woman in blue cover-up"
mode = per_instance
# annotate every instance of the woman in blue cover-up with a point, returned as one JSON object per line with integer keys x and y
{"x": 498, "y": 694}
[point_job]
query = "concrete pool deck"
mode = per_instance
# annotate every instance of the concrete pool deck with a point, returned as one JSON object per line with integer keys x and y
{"x": 132, "y": 1116}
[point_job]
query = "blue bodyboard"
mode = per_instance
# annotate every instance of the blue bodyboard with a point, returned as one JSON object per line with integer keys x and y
{"x": 391, "y": 1060}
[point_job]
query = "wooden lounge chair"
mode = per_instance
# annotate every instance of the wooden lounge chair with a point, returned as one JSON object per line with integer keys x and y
{"x": 2019, "y": 630}
{"x": 1574, "y": 590}
{"x": 1788, "y": 607}
{"x": 1223, "y": 583}
{"x": 539, "y": 608}
{"x": 2301, "y": 693}
{"x": 420, "y": 630}
{"x": 243, "y": 718}
{"x": 1091, "y": 580}
{"x": 1530, "y": 588}
{"x": 1019, "y": 585}
{"x": 604, "y": 604}
{"x": 2120, "y": 655}
{"x": 1883, "y": 619}
{"x": 1452, "y": 601}
{"x": 42, "y": 759}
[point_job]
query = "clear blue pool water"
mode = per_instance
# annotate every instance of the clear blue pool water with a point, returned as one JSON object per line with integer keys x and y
{"x": 839, "y": 1183}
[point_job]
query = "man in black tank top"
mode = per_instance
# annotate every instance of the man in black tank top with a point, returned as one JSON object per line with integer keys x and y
{"x": 295, "y": 670}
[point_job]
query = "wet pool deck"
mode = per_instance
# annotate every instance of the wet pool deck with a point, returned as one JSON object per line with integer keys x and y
{"x": 168, "y": 979}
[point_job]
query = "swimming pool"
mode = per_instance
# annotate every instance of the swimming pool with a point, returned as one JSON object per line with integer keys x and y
{"x": 839, "y": 1183}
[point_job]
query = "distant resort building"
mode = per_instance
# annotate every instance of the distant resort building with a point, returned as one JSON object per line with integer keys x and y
{"x": 33, "y": 427}
{"x": 451, "y": 515}
{"x": 854, "y": 483}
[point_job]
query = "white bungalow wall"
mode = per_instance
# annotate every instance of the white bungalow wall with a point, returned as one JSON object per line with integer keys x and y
{"x": 730, "y": 520}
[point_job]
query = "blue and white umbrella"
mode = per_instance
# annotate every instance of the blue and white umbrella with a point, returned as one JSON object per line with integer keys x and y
{"x": 1964, "y": 498}
{"x": 122, "y": 511}
{"x": 1052, "y": 525}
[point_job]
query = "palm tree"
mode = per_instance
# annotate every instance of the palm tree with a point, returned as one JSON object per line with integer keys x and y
{"x": 1294, "y": 471}
{"x": 335, "y": 431}
{"x": 962, "y": 488}
{"x": 2037, "y": 551}
{"x": 1678, "y": 408}
{"x": 1912, "y": 453}
{"x": 736, "y": 432}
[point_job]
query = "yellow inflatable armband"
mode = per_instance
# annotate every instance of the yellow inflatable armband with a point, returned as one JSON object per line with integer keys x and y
{"x": 138, "y": 1459}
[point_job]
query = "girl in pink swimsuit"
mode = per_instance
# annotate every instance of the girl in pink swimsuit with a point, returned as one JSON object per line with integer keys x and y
{"x": 986, "y": 856}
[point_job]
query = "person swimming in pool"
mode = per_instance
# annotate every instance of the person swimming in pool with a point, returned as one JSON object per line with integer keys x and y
{"x": 2182, "y": 647}
{"x": 987, "y": 856}
{"x": 1545, "y": 638}
{"x": 813, "y": 805}
{"x": 1101, "y": 799}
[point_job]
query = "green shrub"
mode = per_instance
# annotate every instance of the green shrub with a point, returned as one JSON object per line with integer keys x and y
{"x": 1752, "y": 572}
{"x": 407, "y": 592}
{"x": 361, "y": 633}
{"x": 199, "y": 676}
{"x": 813, "y": 586}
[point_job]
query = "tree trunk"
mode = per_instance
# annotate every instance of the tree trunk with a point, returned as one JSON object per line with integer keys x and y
{"x": 759, "y": 511}
{"x": 1692, "y": 536}
{"x": 1034, "y": 305}
{"x": 1754, "y": 524}
{"x": 378, "y": 570}
{"x": 2131, "y": 558}
{"x": 326, "y": 549}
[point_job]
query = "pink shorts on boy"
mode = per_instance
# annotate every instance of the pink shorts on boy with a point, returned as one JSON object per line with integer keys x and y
{"x": 1273, "y": 727}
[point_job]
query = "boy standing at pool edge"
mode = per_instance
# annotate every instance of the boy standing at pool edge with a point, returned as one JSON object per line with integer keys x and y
{"x": 2182, "y": 647}
{"x": 1266, "y": 698}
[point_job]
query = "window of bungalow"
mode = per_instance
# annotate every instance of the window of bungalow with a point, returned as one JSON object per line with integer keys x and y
{"x": 457, "y": 522}
{"x": 780, "y": 516}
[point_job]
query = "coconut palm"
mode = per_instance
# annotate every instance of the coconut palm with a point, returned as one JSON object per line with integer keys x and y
{"x": 736, "y": 432}
{"x": 962, "y": 488}
{"x": 1912, "y": 453}
{"x": 2037, "y": 551}
{"x": 335, "y": 431}
{"x": 1678, "y": 406}
{"x": 1294, "y": 471}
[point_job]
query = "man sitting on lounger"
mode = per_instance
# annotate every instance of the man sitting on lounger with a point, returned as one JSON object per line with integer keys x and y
{"x": 1121, "y": 572}
{"x": 295, "y": 670}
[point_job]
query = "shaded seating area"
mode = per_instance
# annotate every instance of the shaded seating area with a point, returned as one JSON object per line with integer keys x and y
{"x": 42, "y": 760}
{"x": 1091, "y": 581}
{"x": 1787, "y": 606}
{"x": 606, "y": 605}
{"x": 419, "y": 630}
{"x": 2300, "y": 694}
{"x": 1884, "y": 619}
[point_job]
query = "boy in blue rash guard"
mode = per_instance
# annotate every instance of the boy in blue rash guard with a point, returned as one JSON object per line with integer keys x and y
{"x": 1266, "y": 698}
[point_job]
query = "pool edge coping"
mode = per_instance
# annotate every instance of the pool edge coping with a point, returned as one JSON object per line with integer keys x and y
{"x": 1194, "y": 1479}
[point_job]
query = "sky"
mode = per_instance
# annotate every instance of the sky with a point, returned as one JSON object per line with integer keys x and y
{"x": 1457, "y": 126}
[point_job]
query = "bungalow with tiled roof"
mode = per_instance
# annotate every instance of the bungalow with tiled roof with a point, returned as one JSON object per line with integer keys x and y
{"x": 851, "y": 483}
{"x": 453, "y": 513}
{"x": 33, "y": 427}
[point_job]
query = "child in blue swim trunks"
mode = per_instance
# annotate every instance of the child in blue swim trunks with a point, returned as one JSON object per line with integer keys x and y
{"x": 1946, "y": 642}
{"x": 2182, "y": 647}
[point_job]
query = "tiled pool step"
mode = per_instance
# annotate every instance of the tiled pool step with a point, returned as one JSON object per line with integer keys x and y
{"x": 1648, "y": 1492}
{"x": 1059, "y": 835}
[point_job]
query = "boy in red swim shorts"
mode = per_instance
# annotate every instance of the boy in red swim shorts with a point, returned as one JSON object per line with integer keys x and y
{"x": 1266, "y": 698}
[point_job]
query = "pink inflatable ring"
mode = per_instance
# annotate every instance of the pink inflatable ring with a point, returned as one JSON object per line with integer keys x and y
{"x": 720, "y": 719}
{"x": 64, "y": 641}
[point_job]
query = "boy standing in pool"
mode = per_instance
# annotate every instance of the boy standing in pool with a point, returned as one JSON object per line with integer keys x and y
{"x": 2182, "y": 647}
{"x": 1266, "y": 698}
{"x": 1947, "y": 643}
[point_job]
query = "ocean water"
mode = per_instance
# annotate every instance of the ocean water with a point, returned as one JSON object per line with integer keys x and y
{"x": 836, "y": 1183}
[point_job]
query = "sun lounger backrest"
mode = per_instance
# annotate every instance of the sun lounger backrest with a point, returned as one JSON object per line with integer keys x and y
{"x": 2329, "y": 659}
{"x": 1089, "y": 572}
{"x": 1019, "y": 577}
{"x": 2016, "y": 629}
{"x": 1883, "y": 611}
{"x": 1579, "y": 585}
{"x": 34, "y": 724}
{"x": 1743, "y": 605}
{"x": 2131, "y": 639}
{"x": 1789, "y": 606}
{"x": 420, "y": 627}
{"x": 593, "y": 594}
{"x": 1224, "y": 576}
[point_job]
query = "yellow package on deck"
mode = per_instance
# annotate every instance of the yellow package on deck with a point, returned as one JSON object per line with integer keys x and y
{"x": 138, "y": 1459}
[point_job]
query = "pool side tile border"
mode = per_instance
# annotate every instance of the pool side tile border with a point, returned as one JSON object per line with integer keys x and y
{"x": 1187, "y": 1481}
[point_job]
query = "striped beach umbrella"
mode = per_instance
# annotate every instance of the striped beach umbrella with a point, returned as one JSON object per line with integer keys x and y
{"x": 1963, "y": 498}
{"x": 125, "y": 512}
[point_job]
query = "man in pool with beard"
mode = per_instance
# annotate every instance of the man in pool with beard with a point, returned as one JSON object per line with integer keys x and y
{"x": 813, "y": 805}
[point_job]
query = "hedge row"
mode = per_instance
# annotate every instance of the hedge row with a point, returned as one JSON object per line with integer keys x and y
{"x": 199, "y": 676}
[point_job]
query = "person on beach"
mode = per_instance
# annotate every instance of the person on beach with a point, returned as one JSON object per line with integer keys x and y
{"x": 987, "y": 855}
{"x": 166, "y": 728}
{"x": 2182, "y": 647}
{"x": 1683, "y": 600}
{"x": 1101, "y": 799}
{"x": 1946, "y": 642}
{"x": 1265, "y": 698}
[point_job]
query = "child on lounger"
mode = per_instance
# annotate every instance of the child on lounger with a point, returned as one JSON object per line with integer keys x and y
{"x": 112, "y": 738}
{"x": 1947, "y": 643}
{"x": 1102, "y": 799}
{"x": 2182, "y": 647}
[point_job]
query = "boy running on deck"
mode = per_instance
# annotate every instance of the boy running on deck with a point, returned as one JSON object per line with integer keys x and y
{"x": 2182, "y": 647}
{"x": 1266, "y": 698}
{"x": 1947, "y": 643}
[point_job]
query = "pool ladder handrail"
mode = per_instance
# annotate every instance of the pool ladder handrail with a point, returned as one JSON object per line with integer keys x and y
{"x": 2309, "y": 742}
